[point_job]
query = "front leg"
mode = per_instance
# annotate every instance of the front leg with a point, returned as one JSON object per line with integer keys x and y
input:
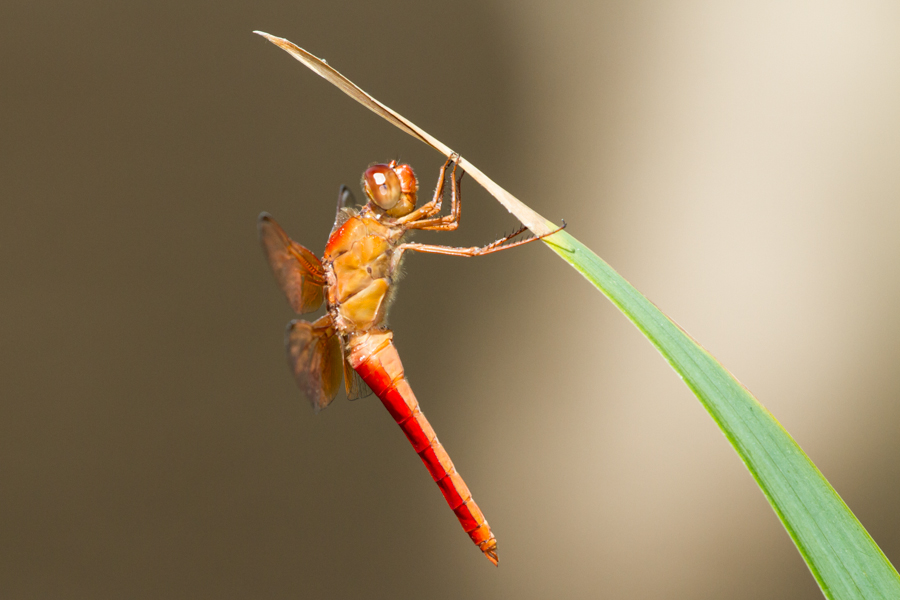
{"x": 434, "y": 206}
{"x": 451, "y": 221}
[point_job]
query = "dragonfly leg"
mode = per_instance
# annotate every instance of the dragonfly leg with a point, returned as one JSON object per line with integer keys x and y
{"x": 451, "y": 221}
{"x": 433, "y": 207}
{"x": 497, "y": 246}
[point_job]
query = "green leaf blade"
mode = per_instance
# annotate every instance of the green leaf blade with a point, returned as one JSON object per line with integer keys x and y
{"x": 843, "y": 558}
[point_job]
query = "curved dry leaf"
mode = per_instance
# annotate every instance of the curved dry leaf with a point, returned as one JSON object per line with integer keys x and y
{"x": 535, "y": 222}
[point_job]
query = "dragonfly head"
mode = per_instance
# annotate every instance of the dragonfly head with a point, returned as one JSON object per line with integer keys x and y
{"x": 391, "y": 187}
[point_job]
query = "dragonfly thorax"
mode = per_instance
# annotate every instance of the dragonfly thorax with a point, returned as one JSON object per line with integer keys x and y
{"x": 359, "y": 270}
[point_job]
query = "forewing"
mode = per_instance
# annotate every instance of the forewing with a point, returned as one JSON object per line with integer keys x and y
{"x": 298, "y": 271}
{"x": 346, "y": 207}
{"x": 314, "y": 356}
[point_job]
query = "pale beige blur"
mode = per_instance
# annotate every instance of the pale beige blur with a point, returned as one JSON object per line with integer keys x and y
{"x": 737, "y": 163}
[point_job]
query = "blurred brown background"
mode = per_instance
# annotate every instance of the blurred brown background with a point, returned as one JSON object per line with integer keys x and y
{"x": 738, "y": 164}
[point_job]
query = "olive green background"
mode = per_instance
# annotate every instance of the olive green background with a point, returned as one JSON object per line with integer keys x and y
{"x": 738, "y": 164}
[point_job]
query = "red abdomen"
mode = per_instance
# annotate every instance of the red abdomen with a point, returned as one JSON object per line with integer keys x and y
{"x": 375, "y": 358}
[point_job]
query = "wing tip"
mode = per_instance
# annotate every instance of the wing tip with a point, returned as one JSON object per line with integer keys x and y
{"x": 262, "y": 221}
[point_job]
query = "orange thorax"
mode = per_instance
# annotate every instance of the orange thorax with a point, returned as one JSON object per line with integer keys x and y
{"x": 359, "y": 272}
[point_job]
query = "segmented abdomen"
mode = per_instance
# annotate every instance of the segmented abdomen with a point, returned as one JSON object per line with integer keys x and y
{"x": 375, "y": 358}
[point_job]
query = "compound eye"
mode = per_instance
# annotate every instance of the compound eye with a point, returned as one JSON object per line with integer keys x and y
{"x": 382, "y": 186}
{"x": 408, "y": 183}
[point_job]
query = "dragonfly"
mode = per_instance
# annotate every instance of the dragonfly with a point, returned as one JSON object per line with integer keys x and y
{"x": 356, "y": 278}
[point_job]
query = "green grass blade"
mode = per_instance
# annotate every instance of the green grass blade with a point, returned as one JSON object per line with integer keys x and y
{"x": 844, "y": 559}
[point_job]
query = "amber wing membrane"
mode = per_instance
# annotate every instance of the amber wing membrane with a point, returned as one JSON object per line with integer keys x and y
{"x": 315, "y": 358}
{"x": 298, "y": 271}
{"x": 355, "y": 386}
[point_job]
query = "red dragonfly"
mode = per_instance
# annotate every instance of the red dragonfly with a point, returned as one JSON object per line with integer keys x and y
{"x": 356, "y": 279}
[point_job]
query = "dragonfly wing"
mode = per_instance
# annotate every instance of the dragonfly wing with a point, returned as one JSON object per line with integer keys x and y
{"x": 315, "y": 358}
{"x": 346, "y": 207}
{"x": 298, "y": 271}
{"x": 354, "y": 384}
{"x": 345, "y": 199}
